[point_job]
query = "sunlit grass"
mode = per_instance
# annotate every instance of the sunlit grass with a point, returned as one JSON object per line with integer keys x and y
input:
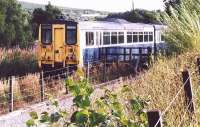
{"x": 183, "y": 27}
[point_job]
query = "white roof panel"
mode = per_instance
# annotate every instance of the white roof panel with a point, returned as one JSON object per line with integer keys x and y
{"x": 112, "y": 25}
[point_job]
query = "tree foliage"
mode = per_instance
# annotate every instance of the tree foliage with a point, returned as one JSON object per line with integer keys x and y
{"x": 142, "y": 16}
{"x": 14, "y": 24}
{"x": 39, "y": 16}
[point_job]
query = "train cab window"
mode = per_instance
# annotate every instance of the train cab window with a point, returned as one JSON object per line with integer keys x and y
{"x": 46, "y": 34}
{"x": 106, "y": 38}
{"x": 121, "y": 37}
{"x": 89, "y": 38}
{"x": 146, "y": 37}
{"x": 129, "y": 37}
{"x": 114, "y": 37}
{"x": 135, "y": 37}
{"x": 71, "y": 35}
{"x": 150, "y": 36}
{"x": 140, "y": 36}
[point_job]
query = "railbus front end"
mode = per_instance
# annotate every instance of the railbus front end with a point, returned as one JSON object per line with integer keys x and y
{"x": 58, "y": 45}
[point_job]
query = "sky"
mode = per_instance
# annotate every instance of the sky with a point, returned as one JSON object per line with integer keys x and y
{"x": 105, "y": 5}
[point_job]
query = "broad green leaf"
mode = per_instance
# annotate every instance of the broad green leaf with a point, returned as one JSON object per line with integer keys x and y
{"x": 34, "y": 115}
{"x": 45, "y": 118}
{"x": 30, "y": 123}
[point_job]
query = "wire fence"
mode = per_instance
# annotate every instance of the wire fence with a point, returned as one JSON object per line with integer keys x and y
{"x": 19, "y": 92}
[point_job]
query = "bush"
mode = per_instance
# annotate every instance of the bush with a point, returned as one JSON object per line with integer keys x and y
{"x": 108, "y": 110}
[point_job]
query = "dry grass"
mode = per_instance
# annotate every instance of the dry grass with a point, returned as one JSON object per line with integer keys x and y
{"x": 17, "y": 61}
{"x": 162, "y": 82}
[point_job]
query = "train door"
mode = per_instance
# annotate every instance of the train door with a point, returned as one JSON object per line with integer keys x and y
{"x": 59, "y": 38}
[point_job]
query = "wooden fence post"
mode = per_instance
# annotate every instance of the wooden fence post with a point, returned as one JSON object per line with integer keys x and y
{"x": 188, "y": 91}
{"x": 42, "y": 86}
{"x": 149, "y": 53}
{"x": 10, "y": 94}
{"x": 138, "y": 60}
{"x": 104, "y": 70}
{"x": 88, "y": 71}
{"x": 124, "y": 54}
{"x": 198, "y": 64}
{"x": 66, "y": 76}
{"x": 154, "y": 119}
{"x": 130, "y": 55}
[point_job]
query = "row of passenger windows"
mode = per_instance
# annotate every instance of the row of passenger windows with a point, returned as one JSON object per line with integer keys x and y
{"x": 117, "y": 37}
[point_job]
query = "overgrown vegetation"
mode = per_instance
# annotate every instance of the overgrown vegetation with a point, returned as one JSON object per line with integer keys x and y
{"x": 17, "y": 61}
{"x": 183, "y": 28}
{"x": 107, "y": 110}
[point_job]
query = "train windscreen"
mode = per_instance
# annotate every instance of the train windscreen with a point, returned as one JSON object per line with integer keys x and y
{"x": 46, "y": 34}
{"x": 71, "y": 35}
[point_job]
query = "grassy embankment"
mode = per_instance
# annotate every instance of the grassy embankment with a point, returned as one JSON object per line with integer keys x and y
{"x": 161, "y": 83}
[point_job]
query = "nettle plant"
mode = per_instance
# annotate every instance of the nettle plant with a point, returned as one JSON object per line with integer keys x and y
{"x": 106, "y": 111}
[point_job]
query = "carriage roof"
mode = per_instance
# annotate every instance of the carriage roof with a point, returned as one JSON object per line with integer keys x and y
{"x": 116, "y": 24}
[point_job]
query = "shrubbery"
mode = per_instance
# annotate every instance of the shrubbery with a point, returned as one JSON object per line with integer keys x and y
{"x": 105, "y": 111}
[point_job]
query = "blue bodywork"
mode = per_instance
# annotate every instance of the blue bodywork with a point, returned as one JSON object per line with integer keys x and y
{"x": 96, "y": 54}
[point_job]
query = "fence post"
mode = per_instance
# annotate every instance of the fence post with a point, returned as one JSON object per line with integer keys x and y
{"x": 138, "y": 60}
{"x": 149, "y": 53}
{"x": 42, "y": 85}
{"x": 88, "y": 71}
{"x": 198, "y": 64}
{"x": 154, "y": 119}
{"x": 10, "y": 94}
{"x": 124, "y": 54}
{"x": 104, "y": 70}
{"x": 188, "y": 91}
{"x": 66, "y": 76}
{"x": 130, "y": 55}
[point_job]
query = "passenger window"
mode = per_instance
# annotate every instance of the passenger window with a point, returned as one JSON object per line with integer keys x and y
{"x": 135, "y": 37}
{"x": 121, "y": 37}
{"x": 140, "y": 36}
{"x": 89, "y": 38}
{"x": 129, "y": 37}
{"x": 146, "y": 37}
{"x": 98, "y": 38}
{"x": 46, "y": 34}
{"x": 71, "y": 35}
{"x": 114, "y": 38}
{"x": 106, "y": 38}
{"x": 150, "y": 36}
{"x": 162, "y": 37}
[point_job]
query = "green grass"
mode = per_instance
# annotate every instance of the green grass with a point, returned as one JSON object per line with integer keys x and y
{"x": 183, "y": 27}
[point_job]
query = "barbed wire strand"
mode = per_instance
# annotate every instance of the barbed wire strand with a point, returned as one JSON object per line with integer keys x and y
{"x": 170, "y": 104}
{"x": 184, "y": 115}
